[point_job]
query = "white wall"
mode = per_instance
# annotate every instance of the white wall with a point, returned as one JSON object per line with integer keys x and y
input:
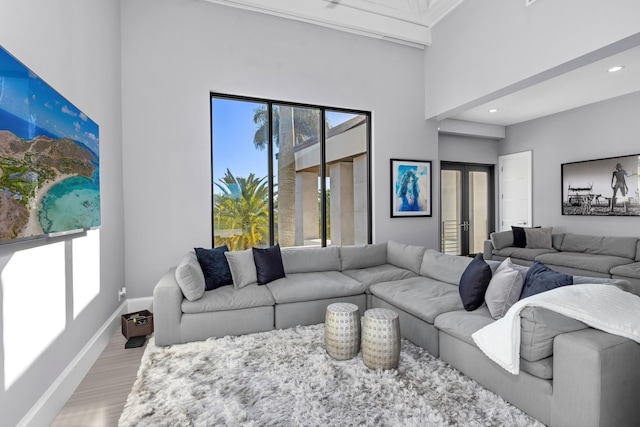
{"x": 484, "y": 47}
{"x": 605, "y": 129}
{"x": 74, "y": 46}
{"x": 176, "y": 52}
{"x": 465, "y": 149}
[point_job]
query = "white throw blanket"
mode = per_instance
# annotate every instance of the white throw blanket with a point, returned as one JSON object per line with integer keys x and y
{"x": 603, "y": 307}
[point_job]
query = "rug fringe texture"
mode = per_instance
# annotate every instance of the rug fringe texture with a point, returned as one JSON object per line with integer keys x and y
{"x": 286, "y": 378}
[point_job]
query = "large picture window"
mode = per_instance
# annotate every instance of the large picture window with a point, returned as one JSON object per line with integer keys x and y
{"x": 293, "y": 174}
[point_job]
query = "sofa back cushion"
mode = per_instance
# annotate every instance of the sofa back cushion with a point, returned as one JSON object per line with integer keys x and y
{"x": 304, "y": 260}
{"x": 443, "y": 267}
{"x": 354, "y": 257}
{"x": 405, "y": 256}
{"x": 624, "y": 247}
{"x": 638, "y": 251}
{"x": 501, "y": 239}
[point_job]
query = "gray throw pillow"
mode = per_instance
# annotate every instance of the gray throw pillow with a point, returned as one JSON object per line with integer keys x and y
{"x": 539, "y": 238}
{"x": 243, "y": 267}
{"x": 504, "y": 289}
{"x": 190, "y": 277}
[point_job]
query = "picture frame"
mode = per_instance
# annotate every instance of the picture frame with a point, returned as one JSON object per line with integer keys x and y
{"x": 602, "y": 187}
{"x": 52, "y": 187}
{"x": 411, "y": 188}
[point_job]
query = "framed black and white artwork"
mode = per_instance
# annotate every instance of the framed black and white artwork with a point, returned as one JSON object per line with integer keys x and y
{"x": 602, "y": 187}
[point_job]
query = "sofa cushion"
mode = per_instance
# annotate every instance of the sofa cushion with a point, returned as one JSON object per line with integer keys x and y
{"x": 463, "y": 324}
{"x": 623, "y": 247}
{"x": 542, "y": 368}
{"x": 229, "y": 298}
{"x": 522, "y": 253}
{"x": 304, "y": 260}
{"x": 539, "y": 327}
{"x": 504, "y": 289}
{"x": 190, "y": 277}
{"x": 443, "y": 267}
{"x": 268, "y": 264}
{"x": 638, "y": 251}
{"x": 214, "y": 267}
{"x": 627, "y": 270}
{"x": 539, "y": 238}
{"x": 379, "y": 274}
{"x": 541, "y": 278}
{"x": 474, "y": 282}
{"x": 583, "y": 261}
{"x": 423, "y": 297}
{"x": 365, "y": 256}
{"x": 501, "y": 239}
{"x": 243, "y": 268}
{"x": 312, "y": 286}
{"x": 405, "y": 256}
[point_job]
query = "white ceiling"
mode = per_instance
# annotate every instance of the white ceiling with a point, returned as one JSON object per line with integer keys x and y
{"x": 401, "y": 21}
{"x": 409, "y": 22}
{"x": 584, "y": 85}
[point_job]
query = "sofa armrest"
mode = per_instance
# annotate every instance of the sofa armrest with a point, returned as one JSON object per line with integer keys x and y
{"x": 488, "y": 249}
{"x": 167, "y": 310}
{"x": 596, "y": 380}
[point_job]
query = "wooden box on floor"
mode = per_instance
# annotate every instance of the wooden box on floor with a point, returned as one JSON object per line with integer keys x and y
{"x": 137, "y": 324}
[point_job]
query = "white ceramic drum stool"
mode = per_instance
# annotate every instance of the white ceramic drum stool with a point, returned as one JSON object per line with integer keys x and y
{"x": 381, "y": 339}
{"x": 342, "y": 330}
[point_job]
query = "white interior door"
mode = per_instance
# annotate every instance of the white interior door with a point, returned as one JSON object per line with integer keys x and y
{"x": 515, "y": 190}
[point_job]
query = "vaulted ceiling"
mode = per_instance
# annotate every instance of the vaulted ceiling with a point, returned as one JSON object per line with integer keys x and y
{"x": 410, "y": 21}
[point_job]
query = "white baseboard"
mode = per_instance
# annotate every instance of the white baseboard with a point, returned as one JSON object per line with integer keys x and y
{"x": 53, "y": 400}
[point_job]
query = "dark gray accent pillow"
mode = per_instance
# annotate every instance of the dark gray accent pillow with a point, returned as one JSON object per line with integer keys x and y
{"x": 541, "y": 278}
{"x": 214, "y": 266}
{"x": 268, "y": 264}
{"x": 474, "y": 283}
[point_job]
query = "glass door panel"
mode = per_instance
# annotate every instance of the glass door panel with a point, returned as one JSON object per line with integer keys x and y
{"x": 466, "y": 207}
{"x": 451, "y": 214}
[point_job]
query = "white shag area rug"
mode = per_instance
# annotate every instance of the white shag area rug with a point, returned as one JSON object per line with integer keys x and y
{"x": 286, "y": 378}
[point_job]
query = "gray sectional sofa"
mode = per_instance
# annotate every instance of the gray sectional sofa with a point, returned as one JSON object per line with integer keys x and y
{"x": 577, "y": 254}
{"x": 570, "y": 373}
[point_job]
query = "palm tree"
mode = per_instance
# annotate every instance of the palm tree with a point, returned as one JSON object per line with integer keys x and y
{"x": 291, "y": 126}
{"x": 244, "y": 205}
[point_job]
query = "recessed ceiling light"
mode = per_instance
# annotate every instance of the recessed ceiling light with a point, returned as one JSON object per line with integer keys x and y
{"x": 493, "y": 110}
{"x": 616, "y": 68}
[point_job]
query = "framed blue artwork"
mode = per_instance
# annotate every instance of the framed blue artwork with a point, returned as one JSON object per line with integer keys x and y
{"x": 411, "y": 192}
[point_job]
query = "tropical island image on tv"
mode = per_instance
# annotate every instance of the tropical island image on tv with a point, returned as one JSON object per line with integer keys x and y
{"x": 49, "y": 158}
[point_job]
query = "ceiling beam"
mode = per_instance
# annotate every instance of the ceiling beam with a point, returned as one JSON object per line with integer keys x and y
{"x": 347, "y": 19}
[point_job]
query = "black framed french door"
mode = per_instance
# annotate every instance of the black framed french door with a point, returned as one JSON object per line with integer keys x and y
{"x": 466, "y": 207}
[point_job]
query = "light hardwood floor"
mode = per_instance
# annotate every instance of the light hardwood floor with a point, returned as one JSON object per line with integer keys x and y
{"x": 99, "y": 399}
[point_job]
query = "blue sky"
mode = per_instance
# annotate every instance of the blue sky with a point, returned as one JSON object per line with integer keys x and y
{"x": 233, "y": 148}
{"x": 233, "y": 131}
{"x": 25, "y": 95}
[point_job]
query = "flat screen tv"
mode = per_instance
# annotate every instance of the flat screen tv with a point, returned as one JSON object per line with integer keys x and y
{"x": 49, "y": 158}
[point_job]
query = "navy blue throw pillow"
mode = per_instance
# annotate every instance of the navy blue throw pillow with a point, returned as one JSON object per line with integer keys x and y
{"x": 541, "y": 278}
{"x": 474, "y": 283}
{"x": 214, "y": 267}
{"x": 520, "y": 236}
{"x": 268, "y": 264}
